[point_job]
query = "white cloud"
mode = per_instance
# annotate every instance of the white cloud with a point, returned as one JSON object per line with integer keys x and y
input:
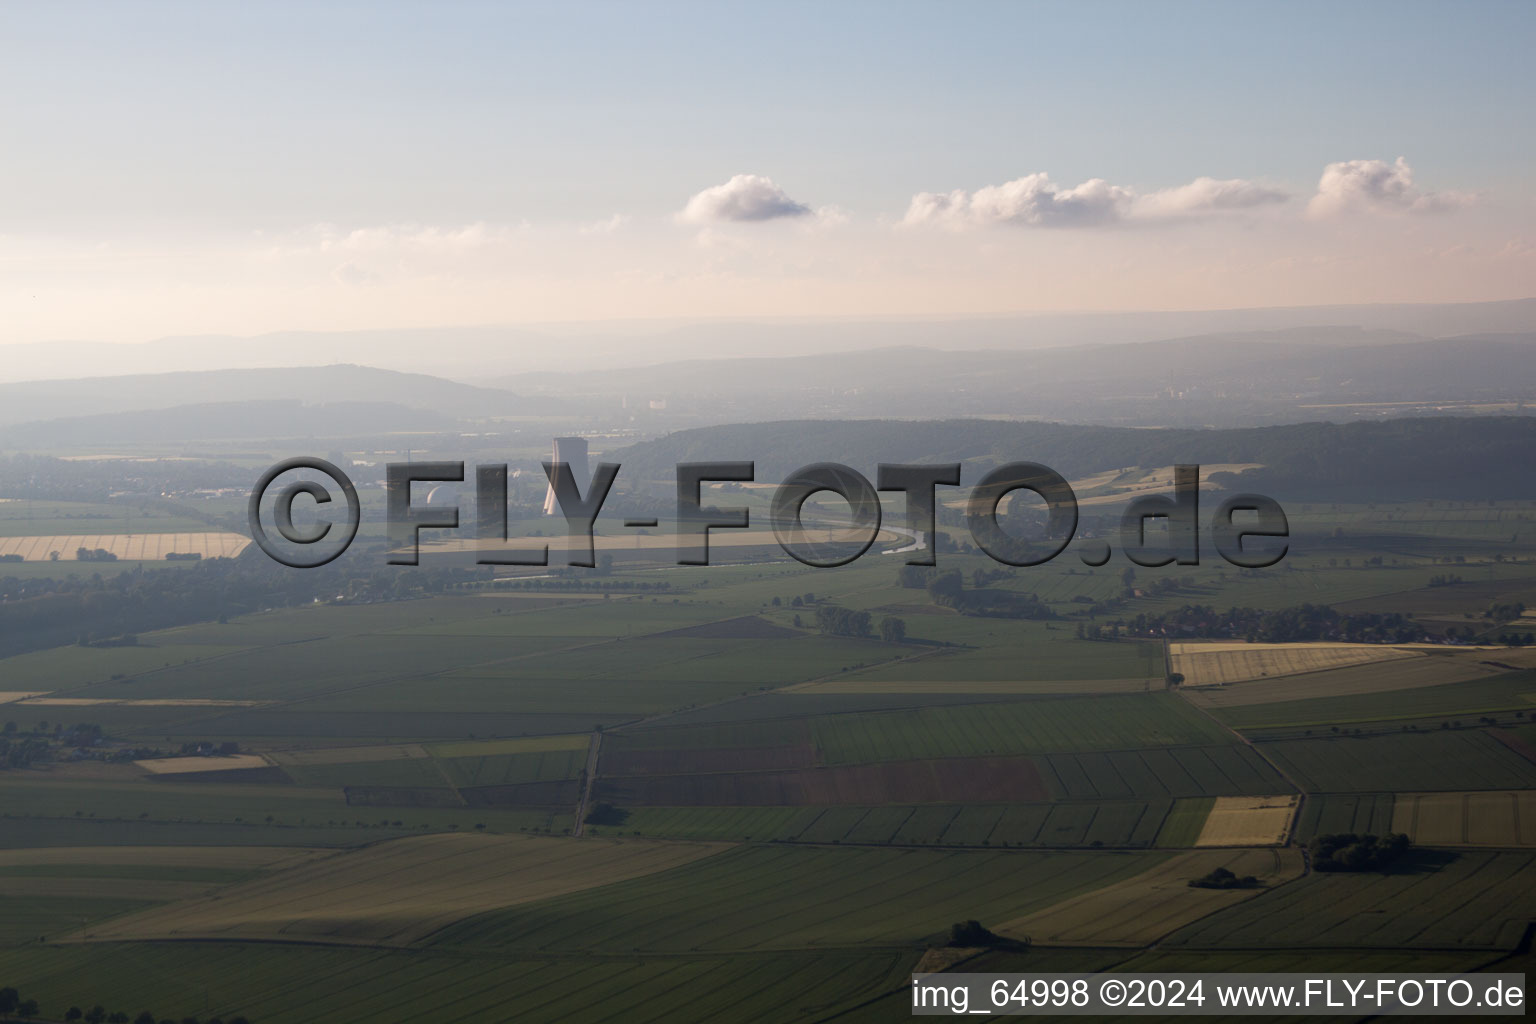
{"x": 1207, "y": 195}
{"x": 605, "y": 227}
{"x": 1036, "y": 201}
{"x": 1375, "y": 186}
{"x": 354, "y": 276}
{"x": 746, "y": 197}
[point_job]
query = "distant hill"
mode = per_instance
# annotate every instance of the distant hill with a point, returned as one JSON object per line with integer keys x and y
{"x": 1231, "y": 379}
{"x": 484, "y": 353}
{"x": 1455, "y": 458}
{"x": 34, "y": 401}
{"x": 221, "y": 421}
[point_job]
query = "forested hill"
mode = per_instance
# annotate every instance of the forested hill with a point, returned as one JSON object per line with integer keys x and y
{"x": 1451, "y": 457}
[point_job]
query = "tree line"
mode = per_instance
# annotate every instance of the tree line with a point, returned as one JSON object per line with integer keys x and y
{"x": 13, "y": 1006}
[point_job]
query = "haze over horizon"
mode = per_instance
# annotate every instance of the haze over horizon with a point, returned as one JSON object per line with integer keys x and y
{"x": 548, "y": 166}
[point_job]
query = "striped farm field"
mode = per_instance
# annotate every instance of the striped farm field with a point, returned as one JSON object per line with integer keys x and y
{"x": 151, "y": 547}
{"x": 514, "y": 745}
{"x": 1184, "y": 822}
{"x": 1360, "y": 813}
{"x": 182, "y": 765}
{"x": 1139, "y": 910}
{"x": 294, "y": 984}
{"x": 1248, "y": 821}
{"x": 1219, "y": 663}
{"x": 1438, "y": 760}
{"x": 396, "y": 892}
{"x": 1123, "y": 823}
{"x": 765, "y": 897}
{"x": 1486, "y": 818}
{"x": 1230, "y": 770}
{"x": 350, "y": 755}
{"x": 1434, "y": 669}
{"x": 1496, "y": 695}
{"x": 1109, "y": 722}
{"x": 936, "y": 780}
{"x": 1475, "y": 899}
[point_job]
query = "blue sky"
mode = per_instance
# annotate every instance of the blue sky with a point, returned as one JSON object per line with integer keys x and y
{"x": 177, "y": 133}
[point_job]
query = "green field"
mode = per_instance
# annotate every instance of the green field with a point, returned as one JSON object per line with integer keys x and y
{"x": 361, "y": 986}
{"x": 1500, "y": 695}
{"x": 474, "y": 712}
{"x": 1232, "y": 770}
{"x": 1360, "y": 813}
{"x": 1025, "y": 727}
{"x": 1436, "y": 901}
{"x": 1446, "y": 759}
{"x": 1185, "y": 820}
{"x": 1132, "y": 824}
{"x": 763, "y": 898}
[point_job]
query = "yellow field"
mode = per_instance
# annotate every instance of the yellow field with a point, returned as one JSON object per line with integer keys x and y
{"x": 183, "y": 765}
{"x": 397, "y": 892}
{"x": 1248, "y": 821}
{"x": 1142, "y": 909}
{"x": 982, "y": 686}
{"x": 129, "y": 546}
{"x": 1216, "y": 664}
{"x": 350, "y": 755}
{"x": 1492, "y": 818}
{"x": 516, "y": 745}
{"x": 11, "y": 696}
{"x": 1352, "y": 680}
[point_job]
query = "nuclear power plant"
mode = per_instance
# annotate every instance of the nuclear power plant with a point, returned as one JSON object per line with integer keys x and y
{"x": 573, "y": 452}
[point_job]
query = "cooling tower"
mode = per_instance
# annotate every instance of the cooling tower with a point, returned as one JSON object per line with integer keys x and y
{"x": 573, "y": 452}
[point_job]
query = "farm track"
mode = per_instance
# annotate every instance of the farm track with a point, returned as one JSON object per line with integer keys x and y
{"x": 589, "y": 781}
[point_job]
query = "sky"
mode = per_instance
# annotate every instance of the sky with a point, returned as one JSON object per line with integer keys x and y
{"x": 219, "y": 168}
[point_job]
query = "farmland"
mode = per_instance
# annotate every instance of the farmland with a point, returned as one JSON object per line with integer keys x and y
{"x": 1467, "y": 819}
{"x": 1040, "y": 726}
{"x": 1216, "y": 664}
{"x": 1248, "y": 821}
{"x": 1503, "y": 694}
{"x": 1444, "y": 759}
{"x": 397, "y": 892}
{"x": 1139, "y": 910}
{"x": 151, "y": 547}
{"x": 1360, "y": 813}
{"x": 346, "y": 985}
{"x": 766, "y": 897}
{"x": 1474, "y": 899}
{"x": 786, "y": 820}
{"x": 1394, "y": 675}
{"x": 1126, "y": 823}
